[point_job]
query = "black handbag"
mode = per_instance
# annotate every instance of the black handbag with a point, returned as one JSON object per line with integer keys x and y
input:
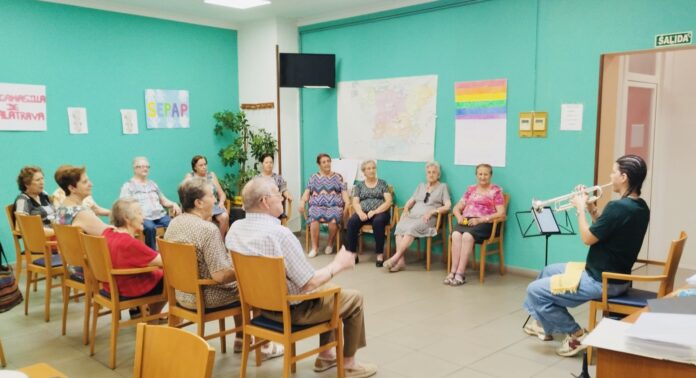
{"x": 10, "y": 296}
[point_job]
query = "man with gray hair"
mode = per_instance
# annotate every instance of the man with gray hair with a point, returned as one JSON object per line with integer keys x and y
{"x": 261, "y": 234}
{"x": 151, "y": 199}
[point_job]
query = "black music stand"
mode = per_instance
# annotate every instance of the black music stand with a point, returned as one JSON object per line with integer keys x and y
{"x": 546, "y": 225}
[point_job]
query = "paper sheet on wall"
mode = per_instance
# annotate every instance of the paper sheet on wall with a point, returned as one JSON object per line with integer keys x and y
{"x": 22, "y": 107}
{"x": 129, "y": 121}
{"x": 480, "y": 122}
{"x": 387, "y": 119}
{"x": 348, "y": 168}
{"x": 77, "y": 119}
{"x": 571, "y": 117}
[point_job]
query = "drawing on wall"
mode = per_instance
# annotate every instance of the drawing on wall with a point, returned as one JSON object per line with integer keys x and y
{"x": 166, "y": 109}
{"x": 77, "y": 119}
{"x": 388, "y": 119}
{"x": 480, "y": 122}
{"x": 22, "y": 107}
{"x": 129, "y": 121}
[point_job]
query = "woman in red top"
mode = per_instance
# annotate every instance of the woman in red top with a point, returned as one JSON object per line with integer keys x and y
{"x": 129, "y": 252}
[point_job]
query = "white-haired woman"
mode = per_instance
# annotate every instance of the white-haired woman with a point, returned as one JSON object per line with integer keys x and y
{"x": 420, "y": 214}
{"x": 371, "y": 201}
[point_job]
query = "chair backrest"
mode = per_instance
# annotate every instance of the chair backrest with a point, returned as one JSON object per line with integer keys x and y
{"x": 171, "y": 352}
{"x": 33, "y": 234}
{"x": 180, "y": 265}
{"x": 674, "y": 255}
{"x": 261, "y": 281}
{"x": 69, "y": 245}
{"x": 11, "y": 217}
{"x": 99, "y": 260}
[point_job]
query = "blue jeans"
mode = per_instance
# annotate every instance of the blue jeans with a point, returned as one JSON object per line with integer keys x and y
{"x": 150, "y": 230}
{"x": 550, "y": 310}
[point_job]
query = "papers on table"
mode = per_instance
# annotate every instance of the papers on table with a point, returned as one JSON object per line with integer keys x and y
{"x": 655, "y": 335}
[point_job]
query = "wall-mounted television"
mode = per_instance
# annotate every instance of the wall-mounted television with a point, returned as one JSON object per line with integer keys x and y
{"x": 307, "y": 70}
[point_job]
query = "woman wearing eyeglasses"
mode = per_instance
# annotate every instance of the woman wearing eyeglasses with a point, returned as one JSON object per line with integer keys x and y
{"x": 420, "y": 214}
{"x": 480, "y": 204}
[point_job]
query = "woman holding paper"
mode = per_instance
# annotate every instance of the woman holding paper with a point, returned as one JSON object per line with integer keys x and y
{"x": 475, "y": 212}
{"x": 615, "y": 238}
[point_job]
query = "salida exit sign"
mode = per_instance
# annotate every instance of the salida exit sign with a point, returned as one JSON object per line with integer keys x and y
{"x": 673, "y": 39}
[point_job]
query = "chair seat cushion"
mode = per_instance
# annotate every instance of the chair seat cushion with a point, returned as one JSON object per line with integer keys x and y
{"x": 55, "y": 261}
{"x": 230, "y": 306}
{"x": 633, "y": 297}
{"x": 263, "y": 322}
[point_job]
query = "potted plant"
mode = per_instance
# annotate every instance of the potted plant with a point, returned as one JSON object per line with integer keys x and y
{"x": 248, "y": 144}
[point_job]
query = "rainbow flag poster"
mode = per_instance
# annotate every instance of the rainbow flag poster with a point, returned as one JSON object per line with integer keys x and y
{"x": 480, "y": 122}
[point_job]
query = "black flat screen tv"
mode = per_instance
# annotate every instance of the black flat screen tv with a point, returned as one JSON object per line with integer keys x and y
{"x": 307, "y": 70}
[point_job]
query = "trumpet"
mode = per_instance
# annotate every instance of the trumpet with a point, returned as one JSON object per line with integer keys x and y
{"x": 562, "y": 203}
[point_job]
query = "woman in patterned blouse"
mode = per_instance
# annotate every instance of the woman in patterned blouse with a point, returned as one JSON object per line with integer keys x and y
{"x": 327, "y": 196}
{"x": 480, "y": 204}
{"x": 371, "y": 202}
{"x": 267, "y": 171}
{"x": 33, "y": 200}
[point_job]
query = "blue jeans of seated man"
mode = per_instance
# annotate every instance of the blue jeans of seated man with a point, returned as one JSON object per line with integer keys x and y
{"x": 551, "y": 310}
{"x": 150, "y": 229}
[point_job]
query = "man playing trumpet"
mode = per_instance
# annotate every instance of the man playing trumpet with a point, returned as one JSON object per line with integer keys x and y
{"x": 615, "y": 238}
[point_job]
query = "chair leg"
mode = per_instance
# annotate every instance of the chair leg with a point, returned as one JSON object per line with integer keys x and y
{"x": 501, "y": 257}
{"x": 85, "y": 322}
{"x": 293, "y": 353}
{"x": 93, "y": 332}
{"x": 66, "y": 298}
{"x": 30, "y": 276}
{"x": 306, "y": 242}
{"x": 114, "y": 337}
{"x": 3, "y": 362}
{"x": 287, "y": 361}
{"x": 482, "y": 262}
{"x": 591, "y": 325}
{"x": 388, "y": 243}
{"x": 18, "y": 250}
{"x": 339, "y": 350}
{"x": 360, "y": 242}
{"x": 223, "y": 338}
{"x": 428, "y": 247}
{"x": 449, "y": 256}
{"x": 245, "y": 354}
{"x": 47, "y": 297}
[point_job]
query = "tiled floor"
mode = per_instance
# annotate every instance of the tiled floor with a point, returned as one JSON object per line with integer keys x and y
{"x": 416, "y": 327}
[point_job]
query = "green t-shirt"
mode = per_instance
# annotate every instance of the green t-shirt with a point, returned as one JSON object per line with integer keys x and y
{"x": 620, "y": 230}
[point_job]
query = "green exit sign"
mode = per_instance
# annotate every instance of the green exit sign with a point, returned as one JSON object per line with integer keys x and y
{"x": 673, "y": 39}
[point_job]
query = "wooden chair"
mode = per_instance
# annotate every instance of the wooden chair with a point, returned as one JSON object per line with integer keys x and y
{"x": 339, "y": 227}
{"x": 99, "y": 263}
{"x": 262, "y": 285}
{"x": 171, "y": 352}
{"x": 48, "y": 265}
{"x": 635, "y": 299}
{"x": 367, "y": 229}
{"x": 3, "y": 362}
{"x": 496, "y": 240}
{"x": 72, "y": 255}
{"x": 288, "y": 211}
{"x": 441, "y": 231}
{"x": 16, "y": 237}
{"x": 181, "y": 273}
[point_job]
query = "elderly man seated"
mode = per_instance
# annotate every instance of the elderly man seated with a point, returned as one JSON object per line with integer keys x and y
{"x": 151, "y": 199}
{"x": 261, "y": 234}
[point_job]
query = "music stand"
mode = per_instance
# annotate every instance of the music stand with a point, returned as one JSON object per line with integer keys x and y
{"x": 547, "y": 225}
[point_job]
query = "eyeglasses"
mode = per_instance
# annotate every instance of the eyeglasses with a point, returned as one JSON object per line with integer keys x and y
{"x": 142, "y": 166}
{"x": 427, "y": 196}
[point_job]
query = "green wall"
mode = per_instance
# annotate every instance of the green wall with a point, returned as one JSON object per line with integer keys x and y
{"x": 549, "y": 50}
{"x": 104, "y": 61}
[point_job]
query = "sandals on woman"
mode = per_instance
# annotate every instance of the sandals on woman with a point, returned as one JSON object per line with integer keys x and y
{"x": 448, "y": 279}
{"x": 454, "y": 279}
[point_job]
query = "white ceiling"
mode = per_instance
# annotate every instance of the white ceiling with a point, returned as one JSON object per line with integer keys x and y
{"x": 305, "y": 12}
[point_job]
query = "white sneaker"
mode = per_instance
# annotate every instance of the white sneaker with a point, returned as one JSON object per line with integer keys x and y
{"x": 533, "y": 328}
{"x": 312, "y": 253}
{"x": 328, "y": 250}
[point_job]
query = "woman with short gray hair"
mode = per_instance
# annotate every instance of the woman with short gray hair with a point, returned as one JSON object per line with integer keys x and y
{"x": 420, "y": 214}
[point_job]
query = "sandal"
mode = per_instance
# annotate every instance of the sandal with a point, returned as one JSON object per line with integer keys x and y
{"x": 388, "y": 263}
{"x": 274, "y": 350}
{"x": 449, "y": 279}
{"x": 458, "y": 280}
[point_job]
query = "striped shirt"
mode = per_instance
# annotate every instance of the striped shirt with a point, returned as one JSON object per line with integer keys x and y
{"x": 148, "y": 195}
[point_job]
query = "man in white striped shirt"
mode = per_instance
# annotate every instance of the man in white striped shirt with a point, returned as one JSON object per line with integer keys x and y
{"x": 261, "y": 234}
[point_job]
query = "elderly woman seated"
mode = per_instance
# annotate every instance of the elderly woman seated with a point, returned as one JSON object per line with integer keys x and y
{"x": 420, "y": 215}
{"x": 214, "y": 262}
{"x": 76, "y": 185}
{"x": 32, "y": 200}
{"x": 480, "y": 204}
{"x": 371, "y": 202}
{"x": 327, "y": 196}
{"x": 199, "y": 168}
{"x": 128, "y": 252}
